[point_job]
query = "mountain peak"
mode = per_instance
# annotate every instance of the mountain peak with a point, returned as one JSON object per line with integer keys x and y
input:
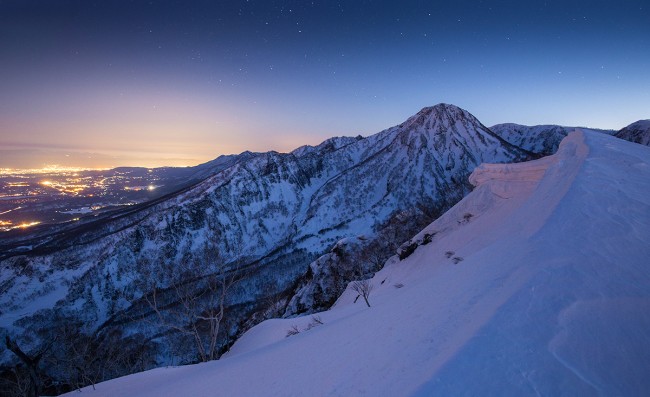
{"x": 442, "y": 114}
{"x": 441, "y": 107}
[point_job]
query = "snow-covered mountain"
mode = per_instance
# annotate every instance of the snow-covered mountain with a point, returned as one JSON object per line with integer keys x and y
{"x": 269, "y": 213}
{"x": 536, "y": 283}
{"x": 539, "y": 139}
{"x": 168, "y": 180}
{"x": 638, "y": 132}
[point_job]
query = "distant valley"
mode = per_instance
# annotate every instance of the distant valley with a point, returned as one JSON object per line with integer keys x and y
{"x": 57, "y": 195}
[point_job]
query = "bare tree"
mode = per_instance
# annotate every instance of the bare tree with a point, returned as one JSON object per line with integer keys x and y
{"x": 77, "y": 359}
{"x": 194, "y": 301}
{"x": 15, "y": 382}
{"x": 32, "y": 362}
{"x": 292, "y": 331}
{"x": 363, "y": 288}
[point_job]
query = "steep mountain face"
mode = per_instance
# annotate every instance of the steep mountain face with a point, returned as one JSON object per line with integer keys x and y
{"x": 539, "y": 139}
{"x": 270, "y": 214}
{"x": 171, "y": 180}
{"x": 638, "y": 132}
{"x": 535, "y": 284}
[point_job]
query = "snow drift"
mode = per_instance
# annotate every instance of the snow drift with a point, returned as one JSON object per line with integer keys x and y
{"x": 536, "y": 283}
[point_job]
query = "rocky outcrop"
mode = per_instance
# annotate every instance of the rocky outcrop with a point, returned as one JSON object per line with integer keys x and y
{"x": 638, "y": 132}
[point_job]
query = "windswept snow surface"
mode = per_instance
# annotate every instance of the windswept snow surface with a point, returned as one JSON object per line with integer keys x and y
{"x": 543, "y": 289}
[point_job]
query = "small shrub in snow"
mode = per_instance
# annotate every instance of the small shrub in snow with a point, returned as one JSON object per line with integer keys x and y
{"x": 449, "y": 254}
{"x": 427, "y": 238}
{"x": 293, "y": 331}
{"x": 363, "y": 288}
{"x": 457, "y": 259}
{"x": 407, "y": 250}
{"x": 466, "y": 218}
{"x": 398, "y": 285}
{"x": 315, "y": 322}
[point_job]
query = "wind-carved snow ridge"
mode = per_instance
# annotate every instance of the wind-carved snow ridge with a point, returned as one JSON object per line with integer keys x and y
{"x": 497, "y": 183}
{"x": 536, "y": 283}
{"x": 506, "y": 181}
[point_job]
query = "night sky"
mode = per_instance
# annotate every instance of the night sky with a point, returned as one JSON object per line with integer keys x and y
{"x": 152, "y": 83}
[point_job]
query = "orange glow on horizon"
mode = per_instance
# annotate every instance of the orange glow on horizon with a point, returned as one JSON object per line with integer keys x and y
{"x": 48, "y": 169}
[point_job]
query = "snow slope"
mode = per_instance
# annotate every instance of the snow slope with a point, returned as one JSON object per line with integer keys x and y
{"x": 536, "y": 283}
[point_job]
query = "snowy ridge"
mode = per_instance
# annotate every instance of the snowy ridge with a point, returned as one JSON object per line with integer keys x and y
{"x": 638, "y": 132}
{"x": 539, "y": 139}
{"x": 536, "y": 283}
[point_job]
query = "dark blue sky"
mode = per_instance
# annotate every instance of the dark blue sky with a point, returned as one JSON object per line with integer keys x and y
{"x": 179, "y": 82}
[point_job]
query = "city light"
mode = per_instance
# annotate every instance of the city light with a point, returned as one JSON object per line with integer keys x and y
{"x": 28, "y": 224}
{"x": 6, "y": 226}
{"x": 56, "y": 194}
